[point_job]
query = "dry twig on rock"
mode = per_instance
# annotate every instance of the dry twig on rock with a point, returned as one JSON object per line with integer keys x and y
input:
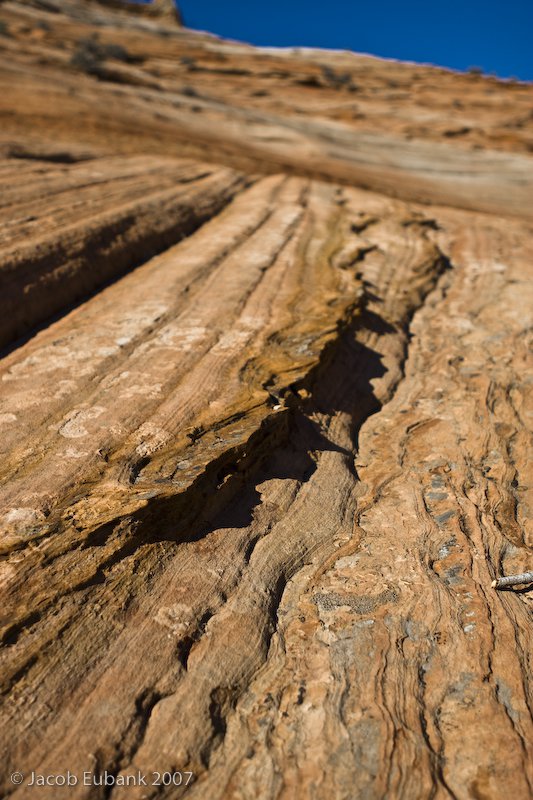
{"x": 512, "y": 580}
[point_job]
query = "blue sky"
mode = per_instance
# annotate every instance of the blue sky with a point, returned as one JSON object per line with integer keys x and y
{"x": 496, "y": 35}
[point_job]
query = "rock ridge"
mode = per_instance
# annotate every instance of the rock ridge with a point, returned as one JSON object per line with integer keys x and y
{"x": 265, "y": 417}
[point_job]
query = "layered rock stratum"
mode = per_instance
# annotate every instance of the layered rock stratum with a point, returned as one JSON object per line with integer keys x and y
{"x": 266, "y": 411}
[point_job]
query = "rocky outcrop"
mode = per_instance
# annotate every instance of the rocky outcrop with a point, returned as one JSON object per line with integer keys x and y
{"x": 265, "y": 439}
{"x": 127, "y": 210}
{"x": 165, "y": 10}
{"x": 346, "y": 118}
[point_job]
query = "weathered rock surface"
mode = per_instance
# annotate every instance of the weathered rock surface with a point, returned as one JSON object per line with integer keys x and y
{"x": 125, "y": 210}
{"x": 259, "y": 471}
{"x": 158, "y": 9}
{"x": 415, "y": 132}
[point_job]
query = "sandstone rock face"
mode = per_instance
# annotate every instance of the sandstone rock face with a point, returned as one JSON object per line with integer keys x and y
{"x": 160, "y": 9}
{"x": 265, "y": 414}
{"x": 126, "y": 210}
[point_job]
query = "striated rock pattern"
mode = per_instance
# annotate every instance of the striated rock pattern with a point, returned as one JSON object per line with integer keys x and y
{"x": 160, "y": 9}
{"x": 127, "y": 209}
{"x": 265, "y": 415}
{"x": 91, "y": 76}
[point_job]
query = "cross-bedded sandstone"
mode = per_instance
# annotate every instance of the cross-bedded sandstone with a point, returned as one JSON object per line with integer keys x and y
{"x": 265, "y": 416}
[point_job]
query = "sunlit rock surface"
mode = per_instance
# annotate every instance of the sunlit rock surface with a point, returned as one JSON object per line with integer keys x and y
{"x": 265, "y": 415}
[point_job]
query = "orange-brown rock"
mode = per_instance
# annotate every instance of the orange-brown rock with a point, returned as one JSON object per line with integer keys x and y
{"x": 123, "y": 84}
{"x": 158, "y": 9}
{"x": 265, "y": 415}
{"x": 127, "y": 209}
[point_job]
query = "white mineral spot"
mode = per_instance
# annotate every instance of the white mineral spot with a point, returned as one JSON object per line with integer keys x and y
{"x": 184, "y": 338}
{"x": 176, "y": 618}
{"x": 5, "y": 419}
{"x": 346, "y": 562}
{"x": 24, "y": 516}
{"x": 64, "y": 387}
{"x": 7, "y": 571}
{"x": 483, "y": 267}
{"x": 48, "y": 359}
{"x": 231, "y": 341}
{"x": 71, "y": 452}
{"x": 105, "y": 352}
{"x": 150, "y": 390}
{"x": 253, "y": 323}
{"x": 74, "y": 428}
{"x": 150, "y": 438}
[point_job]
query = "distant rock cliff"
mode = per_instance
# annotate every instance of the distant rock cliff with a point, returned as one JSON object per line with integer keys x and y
{"x": 160, "y": 9}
